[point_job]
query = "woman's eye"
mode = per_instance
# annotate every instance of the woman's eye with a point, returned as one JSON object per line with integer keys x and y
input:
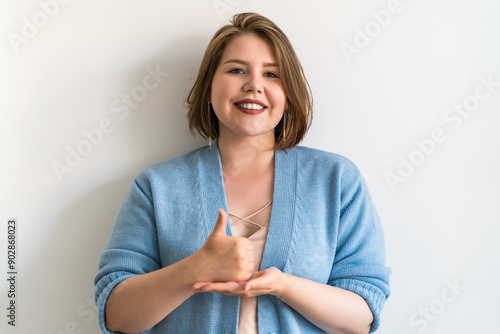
{"x": 236, "y": 71}
{"x": 271, "y": 75}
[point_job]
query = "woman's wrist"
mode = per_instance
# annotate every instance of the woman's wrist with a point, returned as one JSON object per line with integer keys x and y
{"x": 287, "y": 284}
{"x": 193, "y": 269}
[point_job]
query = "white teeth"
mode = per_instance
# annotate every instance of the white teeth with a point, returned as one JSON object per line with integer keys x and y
{"x": 253, "y": 106}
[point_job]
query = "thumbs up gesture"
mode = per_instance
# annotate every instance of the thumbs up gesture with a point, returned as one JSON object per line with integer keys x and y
{"x": 224, "y": 258}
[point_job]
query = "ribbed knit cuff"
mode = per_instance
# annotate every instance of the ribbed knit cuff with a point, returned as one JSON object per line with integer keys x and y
{"x": 103, "y": 288}
{"x": 373, "y": 296}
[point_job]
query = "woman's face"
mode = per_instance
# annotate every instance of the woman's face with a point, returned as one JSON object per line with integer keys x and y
{"x": 247, "y": 95}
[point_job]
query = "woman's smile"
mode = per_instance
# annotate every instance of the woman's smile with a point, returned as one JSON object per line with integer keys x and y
{"x": 251, "y": 107}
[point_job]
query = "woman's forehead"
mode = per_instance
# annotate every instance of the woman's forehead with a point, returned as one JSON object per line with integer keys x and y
{"x": 249, "y": 48}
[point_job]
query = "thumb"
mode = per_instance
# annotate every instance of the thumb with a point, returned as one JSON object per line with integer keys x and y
{"x": 220, "y": 225}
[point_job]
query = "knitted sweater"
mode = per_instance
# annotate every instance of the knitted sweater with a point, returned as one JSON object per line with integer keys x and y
{"x": 324, "y": 227}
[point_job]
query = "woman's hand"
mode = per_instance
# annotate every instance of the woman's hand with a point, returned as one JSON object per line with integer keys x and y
{"x": 267, "y": 281}
{"x": 224, "y": 258}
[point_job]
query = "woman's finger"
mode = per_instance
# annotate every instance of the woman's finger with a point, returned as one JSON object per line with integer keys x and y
{"x": 263, "y": 280}
{"x": 223, "y": 287}
{"x": 198, "y": 285}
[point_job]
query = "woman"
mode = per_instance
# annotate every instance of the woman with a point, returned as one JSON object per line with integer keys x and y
{"x": 304, "y": 249}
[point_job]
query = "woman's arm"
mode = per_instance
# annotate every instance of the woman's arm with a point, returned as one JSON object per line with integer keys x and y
{"x": 332, "y": 309}
{"x": 140, "y": 302}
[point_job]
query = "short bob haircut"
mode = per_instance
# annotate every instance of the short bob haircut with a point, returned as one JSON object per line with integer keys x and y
{"x": 298, "y": 116}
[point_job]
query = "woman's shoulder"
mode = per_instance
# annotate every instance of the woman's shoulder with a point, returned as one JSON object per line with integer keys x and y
{"x": 321, "y": 167}
{"x": 317, "y": 158}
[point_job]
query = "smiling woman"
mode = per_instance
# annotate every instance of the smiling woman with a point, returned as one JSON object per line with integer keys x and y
{"x": 253, "y": 234}
{"x": 273, "y": 58}
{"x": 246, "y": 94}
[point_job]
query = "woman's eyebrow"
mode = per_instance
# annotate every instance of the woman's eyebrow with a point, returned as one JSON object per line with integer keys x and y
{"x": 239, "y": 61}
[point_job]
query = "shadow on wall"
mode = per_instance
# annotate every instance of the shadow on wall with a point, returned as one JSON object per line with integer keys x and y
{"x": 159, "y": 124}
{"x": 61, "y": 276}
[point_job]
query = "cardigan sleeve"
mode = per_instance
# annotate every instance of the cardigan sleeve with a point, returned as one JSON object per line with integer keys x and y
{"x": 359, "y": 263}
{"x": 132, "y": 247}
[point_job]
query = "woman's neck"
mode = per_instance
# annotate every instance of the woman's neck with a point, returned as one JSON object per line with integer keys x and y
{"x": 243, "y": 154}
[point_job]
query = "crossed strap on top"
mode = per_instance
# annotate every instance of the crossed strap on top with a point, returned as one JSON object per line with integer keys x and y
{"x": 246, "y": 219}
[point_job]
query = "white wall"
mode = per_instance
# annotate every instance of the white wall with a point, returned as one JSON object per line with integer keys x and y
{"x": 441, "y": 219}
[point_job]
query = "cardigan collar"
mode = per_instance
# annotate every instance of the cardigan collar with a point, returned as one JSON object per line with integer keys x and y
{"x": 284, "y": 201}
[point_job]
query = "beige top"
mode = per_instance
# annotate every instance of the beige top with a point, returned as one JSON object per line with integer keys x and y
{"x": 243, "y": 227}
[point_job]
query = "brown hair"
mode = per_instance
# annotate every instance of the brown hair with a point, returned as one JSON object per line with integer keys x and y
{"x": 298, "y": 116}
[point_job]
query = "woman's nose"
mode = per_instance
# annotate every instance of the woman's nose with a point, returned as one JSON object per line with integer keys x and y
{"x": 254, "y": 83}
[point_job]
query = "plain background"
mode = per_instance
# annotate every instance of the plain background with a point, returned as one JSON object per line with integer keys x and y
{"x": 441, "y": 224}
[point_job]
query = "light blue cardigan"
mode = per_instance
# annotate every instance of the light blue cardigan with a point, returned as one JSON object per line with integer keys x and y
{"x": 324, "y": 227}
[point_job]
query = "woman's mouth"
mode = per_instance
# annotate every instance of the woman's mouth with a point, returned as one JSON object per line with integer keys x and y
{"x": 250, "y": 107}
